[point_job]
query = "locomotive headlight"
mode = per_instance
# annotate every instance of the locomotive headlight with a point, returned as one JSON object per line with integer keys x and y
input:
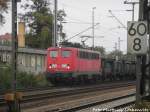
{"x": 68, "y": 67}
{"x": 65, "y": 66}
{"x": 53, "y": 66}
{"x": 50, "y": 66}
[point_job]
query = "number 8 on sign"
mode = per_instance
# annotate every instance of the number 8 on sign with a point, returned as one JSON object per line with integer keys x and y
{"x": 137, "y": 45}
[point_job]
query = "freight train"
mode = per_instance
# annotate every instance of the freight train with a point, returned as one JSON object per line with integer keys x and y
{"x": 76, "y": 65}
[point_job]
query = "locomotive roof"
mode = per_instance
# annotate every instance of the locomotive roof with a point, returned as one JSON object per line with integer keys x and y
{"x": 80, "y": 49}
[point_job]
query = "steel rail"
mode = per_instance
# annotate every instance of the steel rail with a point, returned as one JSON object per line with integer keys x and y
{"x": 33, "y": 96}
{"x": 3, "y": 91}
{"x": 75, "y": 103}
{"x": 103, "y": 105}
{"x": 71, "y": 91}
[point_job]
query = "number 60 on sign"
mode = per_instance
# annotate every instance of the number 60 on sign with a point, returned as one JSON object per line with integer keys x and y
{"x": 137, "y": 37}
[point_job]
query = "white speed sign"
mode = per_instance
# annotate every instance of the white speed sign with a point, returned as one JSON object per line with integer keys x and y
{"x": 137, "y": 37}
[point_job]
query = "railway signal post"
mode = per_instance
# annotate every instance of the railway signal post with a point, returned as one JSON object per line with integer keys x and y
{"x": 14, "y": 49}
{"x": 144, "y": 12}
{"x": 137, "y": 44}
{"x": 14, "y": 97}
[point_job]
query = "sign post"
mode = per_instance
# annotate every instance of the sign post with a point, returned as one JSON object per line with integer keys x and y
{"x": 13, "y": 97}
{"x": 14, "y": 50}
{"x": 137, "y": 44}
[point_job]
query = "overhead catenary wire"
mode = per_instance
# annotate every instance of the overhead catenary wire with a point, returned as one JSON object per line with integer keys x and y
{"x": 81, "y": 32}
{"x": 76, "y": 22}
{"x": 79, "y": 21}
{"x": 76, "y": 19}
{"x": 117, "y": 20}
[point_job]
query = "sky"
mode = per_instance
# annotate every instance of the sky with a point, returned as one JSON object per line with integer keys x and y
{"x": 79, "y": 18}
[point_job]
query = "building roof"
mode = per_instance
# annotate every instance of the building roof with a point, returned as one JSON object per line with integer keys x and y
{"x": 24, "y": 50}
{"x": 6, "y": 36}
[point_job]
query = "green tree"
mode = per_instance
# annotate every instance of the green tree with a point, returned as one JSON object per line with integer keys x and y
{"x": 100, "y": 49}
{"x": 39, "y": 19}
{"x": 3, "y": 9}
{"x": 115, "y": 54}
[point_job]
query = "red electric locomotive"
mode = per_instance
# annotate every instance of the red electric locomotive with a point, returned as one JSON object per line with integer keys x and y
{"x": 72, "y": 64}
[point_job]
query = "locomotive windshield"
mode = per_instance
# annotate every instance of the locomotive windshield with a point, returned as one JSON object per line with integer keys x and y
{"x": 53, "y": 54}
{"x": 65, "y": 54}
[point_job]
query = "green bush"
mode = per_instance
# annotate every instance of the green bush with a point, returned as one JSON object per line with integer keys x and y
{"x": 24, "y": 80}
{"x": 41, "y": 80}
{"x": 5, "y": 78}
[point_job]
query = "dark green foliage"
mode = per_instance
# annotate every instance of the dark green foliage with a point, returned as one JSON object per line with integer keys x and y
{"x": 24, "y": 80}
{"x": 101, "y": 50}
{"x": 39, "y": 19}
{"x": 5, "y": 78}
{"x": 115, "y": 53}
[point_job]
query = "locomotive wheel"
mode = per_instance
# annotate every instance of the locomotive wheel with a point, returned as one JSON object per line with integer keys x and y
{"x": 80, "y": 80}
{"x": 103, "y": 78}
{"x": 94, "y": 78}
{"x": 69, "y": 82}
{"x": 57, "y": 82}
{"x": 86, "y": 79}
{"x": 99, "y": 78}
{"x": 66, "y": 82}
{"x": 75, "y": 82}
{"x": 113, "y": 78}
{"x": 53, "y": 81}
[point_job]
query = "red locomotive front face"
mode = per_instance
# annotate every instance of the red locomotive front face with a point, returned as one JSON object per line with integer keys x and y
{"x": 70, "y": 63}
{"x": 59, "y": 60}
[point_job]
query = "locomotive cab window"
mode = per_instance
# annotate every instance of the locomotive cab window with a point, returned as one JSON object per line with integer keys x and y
{"x": 66, "y": 54}
{"x": 53, "y": 54}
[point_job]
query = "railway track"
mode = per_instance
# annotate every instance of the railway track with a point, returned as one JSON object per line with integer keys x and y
{"x": 75, "y": 101}
{"x": 2, "y": 92}
{"x": 119, "y": 103}
{"x": 32, "y": 98}
{"x": 76, "y": 90}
